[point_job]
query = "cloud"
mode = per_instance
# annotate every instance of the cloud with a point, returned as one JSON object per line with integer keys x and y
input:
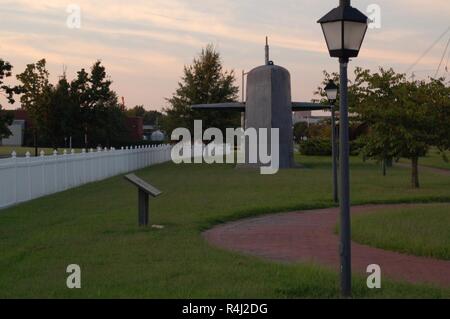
{"x": 153, "y": 39}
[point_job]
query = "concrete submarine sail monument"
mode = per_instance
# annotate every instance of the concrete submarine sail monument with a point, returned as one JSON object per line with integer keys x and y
{"x": 269, "y": 105}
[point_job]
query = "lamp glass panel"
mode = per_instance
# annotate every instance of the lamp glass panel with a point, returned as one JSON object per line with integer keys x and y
{"x": 333, "y": 34}
{"x": 332, "y": 94}
{"x": 354, "y": 34}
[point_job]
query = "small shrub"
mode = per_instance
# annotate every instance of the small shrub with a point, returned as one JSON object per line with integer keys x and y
{"x": 356, "y": 147}
{"x": 316, "y": 147}
{"x": 322, "y": 147}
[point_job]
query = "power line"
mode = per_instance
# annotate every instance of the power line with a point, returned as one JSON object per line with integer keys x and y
{"x": 448, "y": 60}
{"x": 442, "y": 59}
{"x": 428, "y": 50}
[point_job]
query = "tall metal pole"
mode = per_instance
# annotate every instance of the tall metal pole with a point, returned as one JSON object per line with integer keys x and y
{"x": 345, "y": 249}
{"x": 243, "y": 86}
{"x": 243, "y": 99}
{"x": 334, "y": 148}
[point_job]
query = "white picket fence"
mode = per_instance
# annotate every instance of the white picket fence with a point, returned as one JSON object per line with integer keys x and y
{"x": 26, "y": 178}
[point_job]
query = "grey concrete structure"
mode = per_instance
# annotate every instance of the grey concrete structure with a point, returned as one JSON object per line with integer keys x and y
{"x": 269, "y": 105}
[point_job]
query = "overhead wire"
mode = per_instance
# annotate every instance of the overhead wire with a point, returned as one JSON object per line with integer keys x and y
{"x": 428, "y": 50}
{"x": 443, "y": 57}
{"x": 448, "y": 60}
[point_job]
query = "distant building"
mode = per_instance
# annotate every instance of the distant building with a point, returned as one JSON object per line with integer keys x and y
{"x": 21, "y": 114}
{"x": 153, "y": 134}
{"x": 310, "y": 117}
{"x": 158, "y": 136}
{"x": 21, "y": 123}
{"x": 148, "y": 130}
{"x": 17, "y": 129}
{"x": 300, "y": 117}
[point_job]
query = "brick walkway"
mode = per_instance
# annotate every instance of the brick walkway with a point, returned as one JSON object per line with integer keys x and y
{"x": 309, "y": 236}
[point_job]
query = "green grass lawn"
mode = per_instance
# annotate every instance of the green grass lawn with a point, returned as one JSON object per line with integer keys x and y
{"x": 433, "y": 159}
{"x": 95, "y": 226}
{"x": 422, "y": 231}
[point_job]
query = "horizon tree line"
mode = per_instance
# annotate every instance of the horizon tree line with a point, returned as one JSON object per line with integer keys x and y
{"x": 84, "y": 111}
{"x": 394, "y": 117}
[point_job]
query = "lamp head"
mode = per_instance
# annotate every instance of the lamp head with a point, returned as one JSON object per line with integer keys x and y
{"x": 344, "y": 29}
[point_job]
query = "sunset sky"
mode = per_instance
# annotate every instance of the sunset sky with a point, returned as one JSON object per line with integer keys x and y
{"x": 144, "y": 44}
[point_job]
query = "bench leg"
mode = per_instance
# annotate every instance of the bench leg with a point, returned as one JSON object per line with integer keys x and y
{"x": 143, "y": 209}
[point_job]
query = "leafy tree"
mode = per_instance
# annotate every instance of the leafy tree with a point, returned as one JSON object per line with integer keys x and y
{"x": 399, "y": 116}
{"x": 79, "y": 91}
{"x": 395, "y": 117}
{"x": 85, "y": 106}
{"x": 321, "y": 130}
{"x": 51, "y": 108}
{"x": 138, "y": 110}
{"x": 354, "y": 90}
{"x": 35, "y": 99}
{"x": 8, "y": 92}
{"x": 438, "y": 92}
{"x": 203, "y": 82}
{"x": 150, "y": 117}
{"x": 6, "y": 119}
{"x": 300, "y": 131}
{"x": 112, "y": 117}
{"x": 92, "y": 92}
{"x": 64, "y": 115}
{"x": 355, "y": 97}
{"x": 153, "y": 118}
{"x": 377, "y": 108}
{"x": 414, "y": 130}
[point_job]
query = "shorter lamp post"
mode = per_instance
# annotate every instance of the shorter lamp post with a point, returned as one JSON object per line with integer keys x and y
{"x": 331, "y": 90}
{"x": 344, "y": 29}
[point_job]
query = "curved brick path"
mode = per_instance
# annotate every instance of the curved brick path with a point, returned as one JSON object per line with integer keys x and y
{"x": 309, "y": 236}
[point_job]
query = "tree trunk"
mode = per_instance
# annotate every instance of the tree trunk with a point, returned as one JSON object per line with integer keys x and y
{"x": 86, "y": 145}
{"x": 415, "y": 172}
{"x": 384, "y": 164}
{"x": 390, "y": 162}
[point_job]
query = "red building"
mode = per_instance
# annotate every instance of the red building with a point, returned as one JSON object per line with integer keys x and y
{"x": 21, "y": 114}
{"x": 135, "y": 126}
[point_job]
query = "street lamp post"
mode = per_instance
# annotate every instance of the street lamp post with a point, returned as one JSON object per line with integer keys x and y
{"x": 331, "y": 90}
{"x": 243, "y": 99}
{"x": 344, "y": 29}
